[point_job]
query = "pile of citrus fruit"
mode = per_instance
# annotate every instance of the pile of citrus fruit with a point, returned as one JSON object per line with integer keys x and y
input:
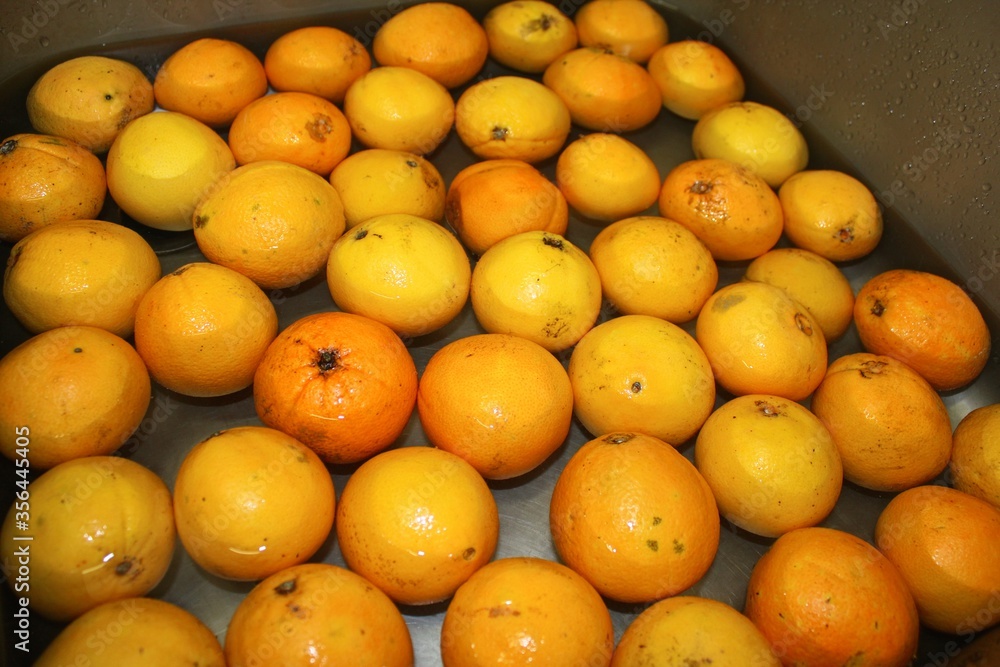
{"x": 442, "y": 273}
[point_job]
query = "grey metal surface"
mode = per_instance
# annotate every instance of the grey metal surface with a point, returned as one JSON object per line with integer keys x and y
{"x": 831, "y": 59}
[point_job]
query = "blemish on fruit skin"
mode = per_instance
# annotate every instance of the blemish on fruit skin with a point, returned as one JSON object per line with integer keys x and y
{"x": 320, "y": 126}
{"x": 618, "y": 438}
{"x": 870, "y": 369}
{"x": 360, "y": 234}
{"x": 653, "y": 545}
{"x": 328, "y": 359}
{"x": 553, "y": 242}
{"x": 499, "y": 133}
{"x": 678, "y": 547}
{"x": 636, "y": 387}
{"x": 700, "y": 187}
{"x": 469, "y": 553}
{"x": 727, "y": 301}
{"x": 767, "y": 409}
{"x": 8, "y": 146}
{"x": 877, "y": 308}
{"x": 802, "y": 322}
{"x": 285, "y": 587}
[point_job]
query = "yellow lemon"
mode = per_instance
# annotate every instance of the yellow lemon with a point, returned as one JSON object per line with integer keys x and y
{"x": 761, "y": 341}
{"x": 607, "y": 177}
{"x": 654, "y": 266}
{"x": 161, "y": 165}
{"x": 376, "y": 181}
{"x": 815, "y": 282}
{"x": 772, "y": 464}
{"x": 102, "y": 529}
{"x": 512, "y": 117}
{"x": 89, "y": 99}
{"x": 830, "y": 213}
{"x": 641, "y": 373}
{"x": 527, "y": 35}
{"x": 399, "y": 108}
{"x": 975, "y": 454}
{"x": 754, "y": 135}
{"x": 695, "y": 77}
{"x": 406, "y": 272}
{"x": 79, "y": 272}
{"x": 691, "y": 630}
{"x": 537, "y": 285}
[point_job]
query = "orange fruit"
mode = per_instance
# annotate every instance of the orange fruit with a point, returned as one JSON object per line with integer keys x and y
{"x": 511, "y": 117}
{"x": 317, "y": 611}
{"x": 250, "y": 501}
{"x": 527, "y": 35}
{"x": 537, "y": 285}
{"x": 691, "y": 630}
{"x": 761, "y": 341}
{"x": 632, "y": 28}
{"x": 526, "y": 610}
{"x": 402, "y": 270}
{"x": 503, "y": 403}
{"x": 439, "y": 39}
{"x": 202, "y": 329}
{"x": 300, "y": 128}
{"x": 694, "y": 77}
{"x": 654, "y": 266}
{"x": 975, "y": 454}
{"x": 342, "y": 384}
{"x": 102, "y": 529}
{"x": 210, "y": 80}
{"x": 634, "y": 517}
{"x": 69, "y": 392}
{"x": 641, "y": 373}
{"x": 754, "y": 135}
{"x": 272, "y": 221}
{"x": 926, "y": 321}
{"x": 137, "y": 630}
{"x": 604, "y": 91}
{"x": 317, "y": 59}
{"x": 416, "y": 522}
{"x": 399, "y": 108}
{"x": 831, "y": 213}
{"x": 162, "y": 164}
{"x": 89, "y": 99}
{"x": 824, "y": 597}
{"x": 490, "y": 200}
{"x": 377, "y": 181}
{"x": 606, "y": 177}
{"x": 812, "y": 280}
{"x": 891, "y": 428}
{"x": 772, "y": 464}
{"x": 44, "y": 180}
{"x": 731, "y": 209}
{"x": 87, "y": 272}
{"x": 943, "y": 541}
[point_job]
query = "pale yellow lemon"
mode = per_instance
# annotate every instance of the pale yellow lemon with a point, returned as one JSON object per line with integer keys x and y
{"x": 771, "y": 463}
{"x": 376, "y": 181}
{"x": 527, "y": 35}
{"x": 537, "y": 285}
{"x": 402, "y": 270}
{"x": 162, "y": 164}
{"x": 631, "y": 28}
{"x": 512, "y": 117}
{"x": 102, "y": 529}
{"x": 607, "y": 177}
{"x": 654, "y": 266}
{"x": 399, "y": 108}
{"x": 812, "y": 280}
{"x": 755, "y": 135}
{"x": 89, "y": 99}
{"x": 89, "y": 272}
{"x": 691, "y": 630}
{"x": 830, "y": 213}
{"x": 641, "y": 373}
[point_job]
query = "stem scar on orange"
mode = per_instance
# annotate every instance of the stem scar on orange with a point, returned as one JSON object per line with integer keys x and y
{"x": 342, "y": 384}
